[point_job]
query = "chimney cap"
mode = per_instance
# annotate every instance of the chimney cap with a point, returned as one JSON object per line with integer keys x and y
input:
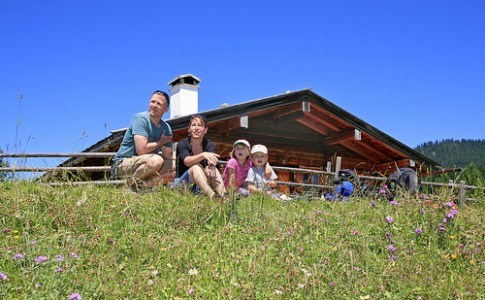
{"x": 186, "y": 78}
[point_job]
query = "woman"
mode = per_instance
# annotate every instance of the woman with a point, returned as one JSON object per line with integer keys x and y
{"x": 197, "y": 160}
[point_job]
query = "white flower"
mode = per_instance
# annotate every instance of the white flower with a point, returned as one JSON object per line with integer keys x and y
{"x": 193, "y": 272}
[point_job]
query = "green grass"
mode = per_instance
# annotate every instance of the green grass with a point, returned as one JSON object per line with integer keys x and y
{"x": 109, "y": 243}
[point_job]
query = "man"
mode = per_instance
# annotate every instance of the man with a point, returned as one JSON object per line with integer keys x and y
{"x": 146, "y": 150}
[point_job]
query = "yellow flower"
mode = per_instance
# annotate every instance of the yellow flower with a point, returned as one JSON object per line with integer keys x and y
{"x": 364, "y": 297}
{"x": 452, "y": 237}
{"x": 454, "y": 256}
{"x": 472, "y": 261}
{"x": 16, "y": 237}
{"x": 334, "y": 249}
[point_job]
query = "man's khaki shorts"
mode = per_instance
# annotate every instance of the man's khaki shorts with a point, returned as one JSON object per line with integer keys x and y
{"x": 128, "y": 166}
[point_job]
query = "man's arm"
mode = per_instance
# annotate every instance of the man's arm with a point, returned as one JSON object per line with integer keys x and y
{"x": 144, "y": 147}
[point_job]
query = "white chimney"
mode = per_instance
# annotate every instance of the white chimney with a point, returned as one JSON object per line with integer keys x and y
{"x": 184, "y": 95}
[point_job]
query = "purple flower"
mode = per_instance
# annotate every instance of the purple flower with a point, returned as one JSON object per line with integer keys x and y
{"x": 450, "y": 216}
{"x": 59, "y": 257}
{"x": 356, "y": 232}
{"x": 37, "y": 285}
{"x": 191, "y": 291}
{"x": 388, "y": 235}
{"x": 449, "y": 204}
{"x": 74, "y": 255}
{"x": 393, "y": 257}
{"x": 393, "y": 202}
{"x": 41, "y": 259}
{"x": 319, "y": 212}
{"x": 418, "y": 231}
{"x": 75, "y": 296}
{"x": 331, "y": 283}
{"x": 18, "y": 256}
{"x": 373, "y": 204}
{"x": 389, "y": 220}
{"x": 58, "y": 270}
{"x": 6, "y": 230}
{"x": 391, "y": 248}
{"x": 442, "y": 227}
{"x": 3, "y": 276}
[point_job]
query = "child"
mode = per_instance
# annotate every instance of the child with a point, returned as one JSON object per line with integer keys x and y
{"x": 257, "y": 180}
{"x": 237, "y": 167}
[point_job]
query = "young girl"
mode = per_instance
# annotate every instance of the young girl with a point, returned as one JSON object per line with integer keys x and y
{"x": 237, "y": 167}
{"x": 258, "y": 181}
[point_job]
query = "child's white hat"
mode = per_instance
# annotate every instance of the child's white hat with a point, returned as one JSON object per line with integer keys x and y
{"x": 244, "y": 142}
{"x": 259, "y": 148}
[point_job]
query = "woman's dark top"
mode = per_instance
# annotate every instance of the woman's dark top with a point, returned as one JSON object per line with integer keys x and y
{"x": 184, "y": 149}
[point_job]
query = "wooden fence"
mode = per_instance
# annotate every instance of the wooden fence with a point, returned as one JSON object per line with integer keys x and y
{"x": 462, "y": 187}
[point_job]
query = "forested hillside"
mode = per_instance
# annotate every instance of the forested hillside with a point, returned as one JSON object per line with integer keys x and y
{"x": 455, "y": 153}
{"x": 466, "y": 154}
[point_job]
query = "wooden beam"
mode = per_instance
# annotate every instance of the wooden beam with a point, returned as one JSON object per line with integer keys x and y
{"x": 340, "y": 137}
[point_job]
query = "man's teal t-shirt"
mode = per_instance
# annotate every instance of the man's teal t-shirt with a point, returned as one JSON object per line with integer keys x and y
{"x": 141, "y": 125}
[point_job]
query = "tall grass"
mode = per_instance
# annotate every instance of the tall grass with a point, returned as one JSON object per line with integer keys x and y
{"x": 109, "y": 243}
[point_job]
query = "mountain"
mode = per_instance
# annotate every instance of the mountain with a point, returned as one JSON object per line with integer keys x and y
{"x": 455, "y": 153}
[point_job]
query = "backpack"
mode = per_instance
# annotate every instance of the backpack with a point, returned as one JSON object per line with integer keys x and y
{"x": 405, "y": 178}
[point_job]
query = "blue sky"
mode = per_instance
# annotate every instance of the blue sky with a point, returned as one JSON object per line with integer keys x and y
{"x": 413, "y": 69}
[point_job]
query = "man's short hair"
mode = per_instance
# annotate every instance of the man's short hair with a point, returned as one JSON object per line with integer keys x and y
{"x": 159, "y": 92}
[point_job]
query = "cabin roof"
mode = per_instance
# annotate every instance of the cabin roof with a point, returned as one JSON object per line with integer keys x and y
{"x": 300, "y": 128}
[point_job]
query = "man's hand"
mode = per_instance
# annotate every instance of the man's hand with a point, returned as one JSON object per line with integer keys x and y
{"x": 164, "y": 139}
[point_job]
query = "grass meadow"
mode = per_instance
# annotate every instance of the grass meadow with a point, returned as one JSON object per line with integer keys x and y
{"x": 110, "y": 243}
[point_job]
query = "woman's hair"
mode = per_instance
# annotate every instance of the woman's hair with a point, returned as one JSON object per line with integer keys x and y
{"x": 199, "y": 117}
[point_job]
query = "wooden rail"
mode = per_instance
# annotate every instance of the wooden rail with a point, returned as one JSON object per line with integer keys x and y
{"x": 461, "y": 186}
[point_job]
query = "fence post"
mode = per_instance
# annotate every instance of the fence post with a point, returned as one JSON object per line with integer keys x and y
{"x": 462, "y": 192}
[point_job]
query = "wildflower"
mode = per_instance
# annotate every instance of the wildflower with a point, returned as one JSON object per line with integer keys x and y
{"x": 6, "y": 230}
{"x": 373, "y": 204}
{"x": 449, "y": 204}
{"x": 41, "y": 259}
{"x": 364, "y": 297}
{"x": 391, "y": 248}
{"x": 150, "y": 282}
{"x": 472, "y": 262}
{"x": 300, "y": 285}
{"x": 191, "y": 291}
{"x": 418, "y": 231}
{"x": 442, "y": 228}
{"x": 193, "y": 272}
{"x": 3, "y": 276}
{"x": 331, "y": 283}
{"x": 75, "y": 296}
{"x": 58, "y": 270}
{"x": 452, "y": 237}
{"x": 388, "y": 235}
{"x": 393, "y": 202}
{"x": 389, "y": 220}
{"x": 74, "y": 255}
{"x": 18, "y": 256}
{"x": 393, "y": 257}
{"x": 420, "y": 298}
{"x": 37, "y": 285}
{"x": 33, "y": 243}
{"x": 454, "y": 256}
{"x": 277, "y": 292}
{"x": 450, "y": 215}
{"x": 306, "y": 273}
{"x": 319, "y": 212}
{"x": 356, "y": 232}
{"x": 461, "y": 246}
{"x": 59, "y": 257}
